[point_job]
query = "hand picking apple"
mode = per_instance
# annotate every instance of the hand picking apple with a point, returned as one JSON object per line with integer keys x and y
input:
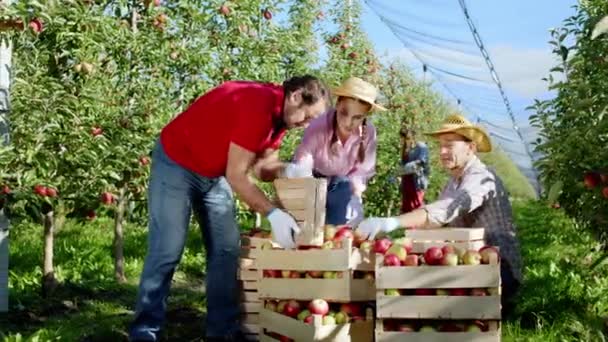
{"x": 284, "y": 228}
{"x": 370, "y": 227}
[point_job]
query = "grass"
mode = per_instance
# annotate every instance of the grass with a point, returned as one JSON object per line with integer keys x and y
{"x": 562, "y": 300}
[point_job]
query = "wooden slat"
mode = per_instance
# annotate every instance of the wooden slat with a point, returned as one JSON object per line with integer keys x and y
{"x": 250, "y": 253}
{"x": 249, "y": 285}
{"x": 250, "y": 318}
{"x": 298, "y": 202}
{"x": 435, "y": 277}
{"x": 305, "y": 260}
{"x": 252, "y": 241}
{"x": 248, "y": 275}
{"x": 246, "y": 263}
{"x": 337, "y": 290}
{"x": 394, "y": 336}
{"x": 439, "y": 307}
{"x": 446, "y": 234}
{"x": 422, "y": 246}
{"x": 361, "y": 331}
{"x": 251, "y": 328}
{"x": 250, "y": 296}
{"x": 282, "y": 184}
{"x": 251, "y": 307}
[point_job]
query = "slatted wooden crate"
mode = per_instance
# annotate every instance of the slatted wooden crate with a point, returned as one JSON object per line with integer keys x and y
{"x": 248, "y": 278}
{"x": 304, "y": 199}
{"x": 295, "y": 330}
{"x": 344, "y": 260}
{"x": 415, "y": 301}
{"x": 463, "y": 238}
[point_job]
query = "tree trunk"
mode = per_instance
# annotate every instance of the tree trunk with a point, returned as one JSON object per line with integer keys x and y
{"x": 49, "y": 283}
{"x": 119, "y": 258}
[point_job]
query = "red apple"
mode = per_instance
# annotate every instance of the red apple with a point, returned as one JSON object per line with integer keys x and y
{"x": 107, "y": 198}
{"x": 318, "y": 307}
{"x": 144, "y": 160}
{"x": 281, "y": 306}
{"x": 459, "y": 292}
{"x": 295, "y": 274}
{"x": 424, "y": 292}
{"x": 36, "y": 25}
{"x": 411, "y": 260}
{"x": 448, "y": 249}
{"x": 591, "y": 179}
{"x": 450, "y": 259}
{"x": 353, "y": 55}
{"x": 382, "y": 245}
{"x": 433, "y": 256}
{"x": 5, "y": 190}
{"x": 478, "y": 292}
{"x": 605, "y": 192}
{"x": 471, "y": 257}
{"x": 343, "y": 233}
{"x": 272, "y": 274}
{"x": 405, "y": 327}
{"x": 292, "y": 308}
{"x": 344, "y": 46}
{"x": 51, "y": 192}
{"x": 96, "y": 131}
{"x": 40, "y": 190}
{"x": 489, "y": 255}
{"x": 91, "y": 215}
{"x": 225, "y": 10}
{"x": 391, "y": 260}
{"x": 309, "y": 319}
{"x": 267, "y": 14}
{"x": 352, "y": 309}
{"x": 314, "y": 274}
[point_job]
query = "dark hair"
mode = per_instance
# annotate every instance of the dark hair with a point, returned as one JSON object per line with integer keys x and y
{"x": 362, "y": 134}
{"x": 406, "y": 133}
{"x": 313, "y": 89}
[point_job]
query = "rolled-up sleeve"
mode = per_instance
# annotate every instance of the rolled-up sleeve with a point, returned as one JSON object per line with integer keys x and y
{"x": 470, "y": 195}
{"x": 367, "y": 169}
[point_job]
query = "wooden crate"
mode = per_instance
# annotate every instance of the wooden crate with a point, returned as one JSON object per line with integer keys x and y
{"x": 462, "y": 238}
{"x": 345, "y": 259}
{"x": 409, "y": 306}
{"x": 359, "y": 331}
{"x": 248, "y": 280}
{"x": 304, "y": 199}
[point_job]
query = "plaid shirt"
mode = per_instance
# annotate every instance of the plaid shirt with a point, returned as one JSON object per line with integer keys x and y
{"x": 478, "y": 199}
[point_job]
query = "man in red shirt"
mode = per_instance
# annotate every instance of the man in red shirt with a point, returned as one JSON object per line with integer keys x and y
{"x": 202, "y": 156}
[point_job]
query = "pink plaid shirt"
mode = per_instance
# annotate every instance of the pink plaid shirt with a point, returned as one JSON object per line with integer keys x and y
{"x": 478, "y": 199}
{"x": 316, "y": 143}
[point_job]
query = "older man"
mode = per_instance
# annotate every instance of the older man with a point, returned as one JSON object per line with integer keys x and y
{"x": 473, "y": 197}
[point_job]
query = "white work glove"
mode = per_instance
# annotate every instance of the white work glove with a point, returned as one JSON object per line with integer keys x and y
{"x": 374, "y": 225}
{"x": 299, "y": 169}
{"x": 284, "y": 228}
{"x": 354, "y": 211}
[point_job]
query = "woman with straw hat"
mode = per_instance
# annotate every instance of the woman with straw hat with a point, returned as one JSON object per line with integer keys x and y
{"x": 474, "y": 197}
{"x": 341, "y": 146}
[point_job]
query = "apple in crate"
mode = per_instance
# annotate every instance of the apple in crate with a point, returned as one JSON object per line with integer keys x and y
{"x": 272, "y": 274}
{"x": 399, "y": 251}
{"x": 478, "y": 292}
{"x": 314, "y": 274}
{"x": 318, "y": 307}
{"x": 459, "y": 292}
{"x": 292, "y": 308}
{"x": 392, "y": 260}
{"x": 471, "y": 257}
{"x": 329, "y": 232}
{"x": 382, "y": 245}
{"x": 442, "y": 292}
{"x": 272, "y": 306}
{"x": 411, "y": 260}
{"x": 424, "y": 292}
{"x": 330, "y": 275}
{"x": 451, "y": 327}
{"x": 478, "y": 325}
{"x": 303, "y": 314}
{"x": 449, "y": 259}
{"x": 391, "y": 292}
{"x": 493, "y": 291}
{"x": 329, "y": 320}
{"x": 366, "y": 246}
{"x": 405, "y": 327}
{"x": 426, "y": 328}
{"x": 345, "y": 232}
{"x": 267, "y": 245}
{"x": 369, "y": 276}
{"x": 473, "y": 328}
{"x": 341, "y": 318}
{"x": 281, "y": 306}
{"x": 328, "y": 245}
{"x": 489, "y": 255}
{"x": 433, "y": 256}
{"x": 309, "y": 319}
{"x": 352, "y": 309}
{"x": 405, "y": 242}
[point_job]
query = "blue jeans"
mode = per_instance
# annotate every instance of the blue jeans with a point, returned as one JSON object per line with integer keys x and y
{"x": 338, "y": 196}
{"x": 173, "y": 192}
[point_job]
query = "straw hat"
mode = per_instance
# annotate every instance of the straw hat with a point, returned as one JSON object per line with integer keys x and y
{"x": 460, "y": 125}
{"x": 359, "y": 89}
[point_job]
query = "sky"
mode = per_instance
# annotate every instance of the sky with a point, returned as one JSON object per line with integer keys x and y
{"x": 514, "y": 32}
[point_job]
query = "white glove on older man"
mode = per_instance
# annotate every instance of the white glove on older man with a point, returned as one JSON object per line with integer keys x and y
{"x": 370, "y": 227}
{"x": 299, "y": 169}
{"x": 284, "y": 228}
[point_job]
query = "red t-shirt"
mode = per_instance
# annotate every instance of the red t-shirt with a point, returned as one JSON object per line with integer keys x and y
{"x": 244, "y": 112}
